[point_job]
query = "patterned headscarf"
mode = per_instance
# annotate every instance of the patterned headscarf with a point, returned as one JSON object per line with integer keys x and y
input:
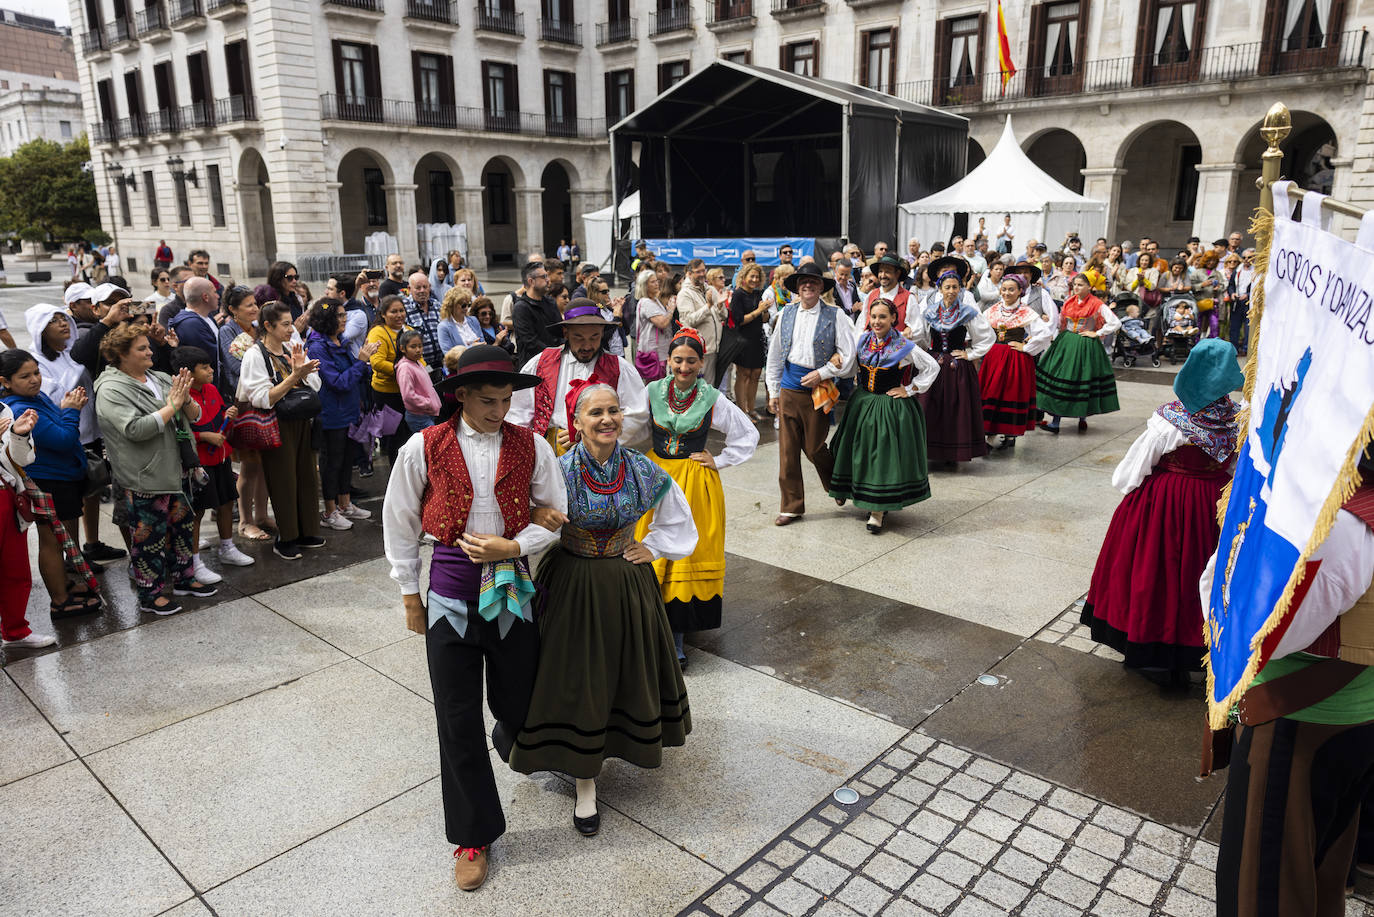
{"x": 1212, "y": 429}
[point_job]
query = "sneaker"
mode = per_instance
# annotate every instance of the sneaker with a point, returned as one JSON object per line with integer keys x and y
{"x": 204, "y": 574}
{"x": 98, "y": 550}
{"x": 365, "y": 470}
{"x": 198, "y": 589}
{"x": 354, "y": 511}
{"x": 231, "y": 555}
{"x": 206, "y": 543}
{"x": 336, "y": 521}
{"x": 153, "y": 608}
{"x": 310, "y": 541}
{"x": 286, "y": 550}
{"x": 33, "y": 641}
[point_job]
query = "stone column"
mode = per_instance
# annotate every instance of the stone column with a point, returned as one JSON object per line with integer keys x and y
{"x": 1216, "y": 192}
{"x": 1104, "y": 185}
{"x": 467, "y": 208}
{"x": 1341, "y": 189}
{"x": 335, "y": 217}
{"x": 400, "y": 214}
{"x": 529, "y": 208}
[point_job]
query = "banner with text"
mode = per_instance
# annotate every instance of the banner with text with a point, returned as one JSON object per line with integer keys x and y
{"x": 728, "y": 251}
{"x": 1313, "y": 391}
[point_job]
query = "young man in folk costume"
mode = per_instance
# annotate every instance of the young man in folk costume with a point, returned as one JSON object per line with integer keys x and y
{"x": 809, "y": 334}
{"x": 890, "y": 271}
{"x": 470, "y": 483}
{"x": 582, "y": 356}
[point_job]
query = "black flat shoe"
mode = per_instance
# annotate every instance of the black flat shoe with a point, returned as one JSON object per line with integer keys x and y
{"x": 873, "y": 529}
{"x": 587, "y": 827}
{"x": 1083, "y": 425}
{"x": 1049, "y": 429}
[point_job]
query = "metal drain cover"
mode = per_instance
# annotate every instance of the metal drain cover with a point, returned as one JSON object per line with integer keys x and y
{"x": 991, "y": 681}
{"x": 845, "y": 796}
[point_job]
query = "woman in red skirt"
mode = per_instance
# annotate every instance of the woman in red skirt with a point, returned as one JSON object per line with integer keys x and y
{"x": 1007, "y": 376}
{"x": 1143, "y": 601}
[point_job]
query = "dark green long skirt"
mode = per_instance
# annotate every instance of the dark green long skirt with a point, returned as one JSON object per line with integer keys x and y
{"x": 880, "y": 453}
{"x": 1074, "y": 378}
{"x": 608, "y": 685}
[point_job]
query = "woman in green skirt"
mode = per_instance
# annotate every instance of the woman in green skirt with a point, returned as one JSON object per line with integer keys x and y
{"x": 1074, "y": 378}
{"x": 880, "y": 447}
{"x": 609, "y": 685}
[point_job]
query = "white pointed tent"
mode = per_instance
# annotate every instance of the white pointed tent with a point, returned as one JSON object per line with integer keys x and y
{"x": 596, "y": 242}
{"x": 1006, "y": 182}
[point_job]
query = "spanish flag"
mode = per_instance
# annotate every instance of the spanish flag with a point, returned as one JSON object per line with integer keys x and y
{"x": 1004, "y": 49}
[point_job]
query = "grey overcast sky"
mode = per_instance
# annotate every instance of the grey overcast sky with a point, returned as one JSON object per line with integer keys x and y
{"x": 55, "y": 10}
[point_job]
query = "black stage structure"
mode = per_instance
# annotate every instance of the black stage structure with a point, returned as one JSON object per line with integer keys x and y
{"x": 736, "y": 150}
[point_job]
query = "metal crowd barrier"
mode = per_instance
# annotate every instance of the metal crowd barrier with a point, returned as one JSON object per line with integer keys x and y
{"x": 317, "y": 268}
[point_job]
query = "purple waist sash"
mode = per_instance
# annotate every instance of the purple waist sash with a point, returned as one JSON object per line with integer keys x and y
{"x": 454, "y": 575}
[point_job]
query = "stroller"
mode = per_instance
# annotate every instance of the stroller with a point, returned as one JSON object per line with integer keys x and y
{"x": 1124, "y": 347}
{"x": 1178, "y": 345}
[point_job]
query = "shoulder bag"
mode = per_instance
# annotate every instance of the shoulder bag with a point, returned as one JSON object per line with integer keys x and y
{"x": 301, "y": 402}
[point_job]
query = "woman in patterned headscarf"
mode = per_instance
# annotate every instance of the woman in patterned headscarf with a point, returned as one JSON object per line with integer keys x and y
{"x": 1143, "y": 601}
{"x": 1007, "y": 376}
{"x": 955, "y": 335}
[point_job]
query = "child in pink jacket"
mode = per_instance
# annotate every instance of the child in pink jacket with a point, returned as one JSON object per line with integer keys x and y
{"x": 412, "y": 375}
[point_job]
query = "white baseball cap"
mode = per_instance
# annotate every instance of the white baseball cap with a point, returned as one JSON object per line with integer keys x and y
{"x": 77, "y": 291}
{"x": 105, "y": 291}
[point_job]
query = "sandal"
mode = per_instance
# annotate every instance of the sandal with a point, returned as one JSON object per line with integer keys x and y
{"x": 71, "y": 608}
{"x": 249, "y": 530}
{"x": 85, "y": 596}
{"x": 268, "y": 525}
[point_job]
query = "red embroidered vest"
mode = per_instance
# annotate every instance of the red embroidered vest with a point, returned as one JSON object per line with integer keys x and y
{"x": 447, "y": 499}
{"x": 898, "y": 302}
{"x": 607, "y": 370}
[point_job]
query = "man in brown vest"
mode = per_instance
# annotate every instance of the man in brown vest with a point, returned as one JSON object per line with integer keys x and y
{"x": 469, "y": 483}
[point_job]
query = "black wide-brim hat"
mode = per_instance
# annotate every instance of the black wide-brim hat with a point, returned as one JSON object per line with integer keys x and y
{"x": 809, "y": 269}
{"x": 891, "y": 260}
{"x": 582, "y": 311}
{"x": 945, "y": 264}
{"x": 1030, "y": 271}
{"x": 486, "y": 364}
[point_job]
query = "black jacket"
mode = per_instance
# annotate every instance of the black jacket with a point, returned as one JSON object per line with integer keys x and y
{"x": 534, "y": 320}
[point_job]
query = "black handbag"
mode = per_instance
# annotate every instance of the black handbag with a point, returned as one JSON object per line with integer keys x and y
{"x": 98, "y": 475}
{"x": 300, "y": 403}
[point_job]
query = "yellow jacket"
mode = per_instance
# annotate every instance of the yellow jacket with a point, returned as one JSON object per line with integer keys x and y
{"x": 384, "y": 360}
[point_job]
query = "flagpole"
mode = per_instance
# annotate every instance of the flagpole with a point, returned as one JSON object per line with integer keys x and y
{"x": 1277, "y": 125}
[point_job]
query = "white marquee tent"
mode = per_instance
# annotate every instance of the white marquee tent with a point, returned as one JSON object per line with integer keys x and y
{"x": 1006, "y": 182}
{"x": 596, "y": 238}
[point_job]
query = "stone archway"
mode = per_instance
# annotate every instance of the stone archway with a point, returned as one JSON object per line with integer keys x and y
{"x": 500, "y": 217}
{"x": 255, "y": 205}
{"x": 1159, "y": 189}
{"x": 363, "y": 178}
{"x": 1307, "y": 159}
{"x": 1059, "y": 154}
{"x": 555, "y": 201}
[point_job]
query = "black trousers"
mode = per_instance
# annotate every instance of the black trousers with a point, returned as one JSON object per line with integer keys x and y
{"x": 336, "y": 466}
{"x": 472, "y": 807}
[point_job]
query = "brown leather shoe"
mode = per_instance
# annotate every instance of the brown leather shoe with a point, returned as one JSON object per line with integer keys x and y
{"x": 470, "y": 867}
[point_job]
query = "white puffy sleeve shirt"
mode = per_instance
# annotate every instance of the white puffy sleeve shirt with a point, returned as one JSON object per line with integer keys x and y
{"x": 672, "y": 533}
{"x": 401, "y": 528}
{"x": 741, "y": 434}
{"x": 802, "y": 352}
{"x": 255, "y": 381}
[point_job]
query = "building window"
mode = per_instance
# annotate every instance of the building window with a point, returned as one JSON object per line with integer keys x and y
{"x": 216, "y": 195}
{"x": 441, "y": 196}
{"x": 1173, "y": 32}
{"x": 354, "y": 84}
{"x": 965, "y": 36}
{"x": 124, "y": 216}
{"x": 500, "y": 96}
{"x": 670, "y": 73}
{"x": 1189, "y": 158}
{"x": 66, "y": 128}
{"x": 620, "y": 95}
{"x": 1306, "y": 24}
{"x": 183, "y": 201}
{"x": 878, "y": 63}
{"x": 374, "y": 197}
{"x": 427, "y": 80}
{"x": 739, "y": 57}
{"x": 498, "y": 195}
{"x": 802, "y": 57}
{"x": 1061, "y": 38}
{"x": 560, "y": 102}
{"x": 150, "y": 199}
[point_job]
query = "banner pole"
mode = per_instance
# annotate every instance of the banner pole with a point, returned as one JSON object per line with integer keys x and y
{"x": 1274, "y": 130}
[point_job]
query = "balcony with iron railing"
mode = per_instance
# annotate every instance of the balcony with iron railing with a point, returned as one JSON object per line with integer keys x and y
{"x": 500, "y": 21}
{"x": 676, "y": 18}
{"x": 361, "y": 6}
{"x": 797, "y": 9}
{"x": 224, "y": 9}
{"x": 1219, "y": 64}
{"x": 102, "y": 132}
{"x": 615, "y": 32}
{"x": 93, "y": 42}
{"x": 723, "y": 16}
{"x": 235, "y": 109}
{"x": 118, "y": 32}
{"x": 560, "y": 31}
{"x": 150, "y": 20}
{"x": 436, "y": 11}
{"x": 370, "y": 110}
{"x": 185, "y": 13}
{"x": 196, "y": 116}
{"x": 131, "y": 128}
{"x": 163, "y": 121}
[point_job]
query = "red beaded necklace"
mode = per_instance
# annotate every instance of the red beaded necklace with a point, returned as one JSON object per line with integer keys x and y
{"x": 679, "y": 404}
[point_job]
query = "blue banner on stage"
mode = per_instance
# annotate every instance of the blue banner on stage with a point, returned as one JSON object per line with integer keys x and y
{"x": 728, "y": 251}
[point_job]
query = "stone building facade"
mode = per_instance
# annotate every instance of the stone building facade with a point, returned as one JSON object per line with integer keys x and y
{"x": 40, "y": 97}
{"x": 280, "y": 128}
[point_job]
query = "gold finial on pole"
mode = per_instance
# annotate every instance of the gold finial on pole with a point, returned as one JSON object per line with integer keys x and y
{"x": 1274, "y": 130}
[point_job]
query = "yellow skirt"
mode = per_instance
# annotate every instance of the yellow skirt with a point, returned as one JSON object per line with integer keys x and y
{"x": 552, "y": 437}
{"x": 692, "y": 587}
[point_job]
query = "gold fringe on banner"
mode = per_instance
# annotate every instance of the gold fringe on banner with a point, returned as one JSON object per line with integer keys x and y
{"x": 1219, "y": 712}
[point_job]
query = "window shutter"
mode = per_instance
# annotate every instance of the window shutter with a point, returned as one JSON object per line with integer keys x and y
{"x": 338, "y": 66}
{"x": 1080, "y": 65}
{"x": 415, "y": 78}
{"x": 815, "y": 57}
{"x": 611, "y": 117}
{"x": 205, "y": 78}
{"x": 486, "y": 85}
{"x": 941, "y": 62}
{"x": 570, "y": 95}
{"x": 512, "y": 88}
{"x": 865, "y": 39}
{"x": 783, "y": 62}
{"x": 629, "y": 95}
{"x": 373, "y": 71}
{"x": 892, "y": 62}
{"x": 446, "y": 87}
{"x": 1035, "y": 48}
{"x": 1198, "y": 38}
{"x": 980, "y": 65}
{"x": 1143, "y": 32}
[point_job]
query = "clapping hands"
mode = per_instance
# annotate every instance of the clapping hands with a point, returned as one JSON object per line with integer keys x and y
{"x": 76, "y": 398}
